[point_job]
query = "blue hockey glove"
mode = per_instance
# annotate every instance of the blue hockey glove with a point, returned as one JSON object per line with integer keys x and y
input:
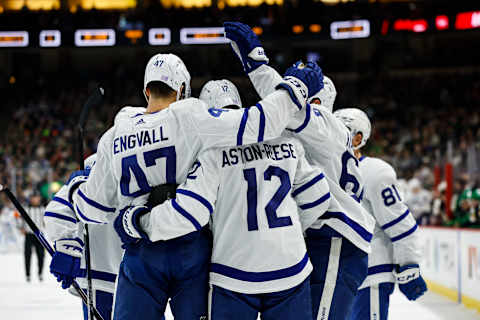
{"x": 246, "y": 45}
{"x": 301, "y": 81}
{"x": 65, "y": 265}
{"x": 127, "y": 225}
{"x": 75, "y": 180}
{"x": 410, "y": 281}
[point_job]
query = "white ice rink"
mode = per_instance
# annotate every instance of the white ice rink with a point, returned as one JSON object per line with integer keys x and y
{"x": 20, "y": 300}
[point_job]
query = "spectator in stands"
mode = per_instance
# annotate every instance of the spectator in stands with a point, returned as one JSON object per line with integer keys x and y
{"x": 439, "y": 205}
{"x": 467, "y": 203}
{"x": 419, "y": 201}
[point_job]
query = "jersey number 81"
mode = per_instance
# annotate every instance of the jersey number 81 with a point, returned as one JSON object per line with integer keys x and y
{"x": 390, "y": 197}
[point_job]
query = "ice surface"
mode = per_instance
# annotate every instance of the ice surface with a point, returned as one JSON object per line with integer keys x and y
{"x": 45, "y": 300}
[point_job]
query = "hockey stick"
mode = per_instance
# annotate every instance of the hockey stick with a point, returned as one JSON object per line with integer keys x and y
{"x": 44, "y": 242}
{"x": 94, "y": 100}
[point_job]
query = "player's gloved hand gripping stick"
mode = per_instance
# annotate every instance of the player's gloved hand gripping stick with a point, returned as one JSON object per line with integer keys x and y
{"x": 65, "y": 265}
{"x": 45, "y": 243}
{"x": 410, "y": 281}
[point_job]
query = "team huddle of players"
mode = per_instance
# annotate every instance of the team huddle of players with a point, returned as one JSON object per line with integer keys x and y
{"x": 269, "y": 210}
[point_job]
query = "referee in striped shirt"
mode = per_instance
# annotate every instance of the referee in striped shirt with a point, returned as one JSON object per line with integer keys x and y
{"x": 35, "y": 210}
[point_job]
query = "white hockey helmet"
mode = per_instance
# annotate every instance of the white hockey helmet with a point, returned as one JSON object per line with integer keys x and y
{"x": 169, "y": 69}
{"x": 357, "y": 122}
{"x": 327, "y": 95}
{"x": 220, "y": 94}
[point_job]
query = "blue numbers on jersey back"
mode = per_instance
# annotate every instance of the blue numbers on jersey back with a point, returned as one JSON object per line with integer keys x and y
{"x": 130, "y": 165}
{"x": 251, "y": 176}
{"x": 274, "y": 221}
{"x": 390, "y": 197}
{"x": 272, "y": 206}
{"x": 346, "y": 177}
{"x": 191, "y": 173}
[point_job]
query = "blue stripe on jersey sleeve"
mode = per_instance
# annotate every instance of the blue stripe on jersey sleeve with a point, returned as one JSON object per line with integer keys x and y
{"x": 85, "y": 217}
{"x": 261, "y": 129}
{"x": 380, "y": 268}
{"x": 315, "y": 203}
{"x": 187, "y": 215}
{"x": 94, "y": 203}
{"x": 59, "y": 216}
{"x": 63, "y": 201}
{"x": 241, "y": 130}
{"x": 307, "y": 185}
{"x": 308, "y": 115}
{"x": 367, "y": 236}
{"x": 197, "y": 197}
{"x": 405, "y": 234}
{"x": 259, "y": 276}
{"x": 99, "y": 275}
{"x": 395, "y": 221}
{"x": 290, "y": 92}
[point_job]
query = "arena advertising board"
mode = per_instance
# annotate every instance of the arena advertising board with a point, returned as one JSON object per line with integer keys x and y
{"x": 440, "y": 256}
{"x": 470, "y": 262}
{"x": 451, "y": 262}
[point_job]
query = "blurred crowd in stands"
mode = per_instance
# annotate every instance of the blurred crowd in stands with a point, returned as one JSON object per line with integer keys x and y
{"x": 420, "y": 122}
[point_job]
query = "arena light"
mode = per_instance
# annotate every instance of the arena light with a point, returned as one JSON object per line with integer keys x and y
{"x": 385, "y": 26}
{"x": 467, "y": 20}
{"x": 315, "y": 28}
{"x": 13, "y": 38}
{"x": 419, "y": 25}
{"x": 441, "y": 22}
{"x": 257, "y": 30}
{"x": 50, "y": 38}
{"x": 297, "y": 29}
{"x": 133, "y": 35}
{"x": 203, "y": 35}
{"x": 94, "y": 37}
{"x": 350, "y": 29}
{"x": 159, "y": 36}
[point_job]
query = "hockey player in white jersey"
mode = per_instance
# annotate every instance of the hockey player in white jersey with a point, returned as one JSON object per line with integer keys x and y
{"x": 156, "y": 147}
{"x": 68, "y": 262}
{"x": 251, "y": 195}
{"x": 395, "y": 253}
{"x": 338, "y": 243}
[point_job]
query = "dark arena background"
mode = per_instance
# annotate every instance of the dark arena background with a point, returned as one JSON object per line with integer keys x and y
{"x": 412, "y": 66}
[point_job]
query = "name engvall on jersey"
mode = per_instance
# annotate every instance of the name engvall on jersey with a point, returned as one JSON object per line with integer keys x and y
{"x": 254, "y": 152}
{"x": 139, "y": 139}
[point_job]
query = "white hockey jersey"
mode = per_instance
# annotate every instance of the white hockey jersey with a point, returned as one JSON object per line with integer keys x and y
{"x": 251, "y": 195}
{"x": 395, "y": 240}
{"x": 105, "y": 246}
{"x": 327, "y": 144}
{"x": 145, "y": 150}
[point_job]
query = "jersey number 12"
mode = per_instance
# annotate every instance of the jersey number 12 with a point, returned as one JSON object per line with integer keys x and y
{"x": 274, "y": 221}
